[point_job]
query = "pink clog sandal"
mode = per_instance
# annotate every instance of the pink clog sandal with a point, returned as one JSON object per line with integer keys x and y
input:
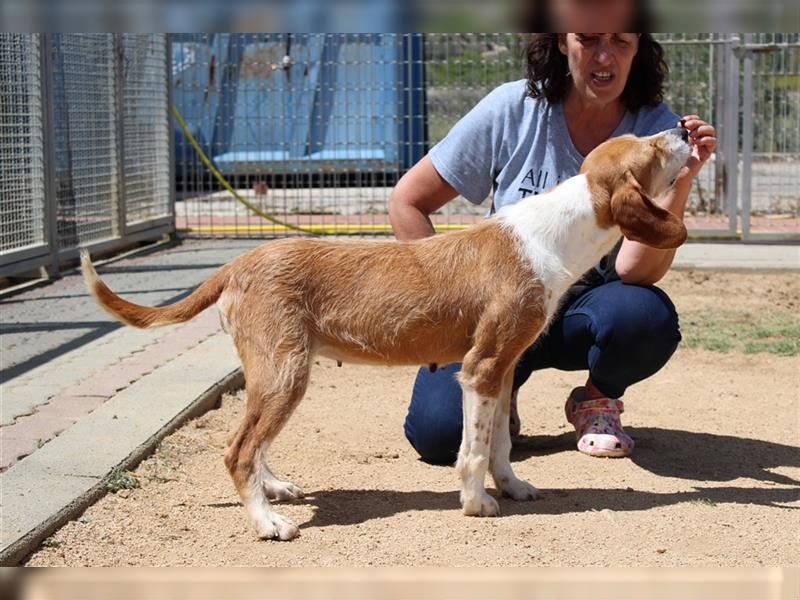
{"x": 597, "y": 426}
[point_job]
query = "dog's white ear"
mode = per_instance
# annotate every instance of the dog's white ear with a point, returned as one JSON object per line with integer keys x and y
{"x": 641, "y": 220}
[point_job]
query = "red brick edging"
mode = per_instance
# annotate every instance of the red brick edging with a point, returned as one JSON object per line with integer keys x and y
{"x": 30, "y": 432}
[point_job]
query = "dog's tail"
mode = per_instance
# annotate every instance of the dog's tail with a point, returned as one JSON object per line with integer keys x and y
{"x": 144, "y": 317}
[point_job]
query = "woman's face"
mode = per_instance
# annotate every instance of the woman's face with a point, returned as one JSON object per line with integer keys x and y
{"x": 599, "y": 63}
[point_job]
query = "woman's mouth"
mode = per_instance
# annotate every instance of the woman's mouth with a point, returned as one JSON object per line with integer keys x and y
{"x": 602, "y": 77}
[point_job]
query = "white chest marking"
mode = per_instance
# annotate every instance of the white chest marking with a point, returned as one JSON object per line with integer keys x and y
{"x": 559, "y": 235}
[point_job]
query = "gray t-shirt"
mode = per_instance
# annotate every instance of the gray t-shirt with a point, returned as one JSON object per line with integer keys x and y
{"x": 513, "y": 146}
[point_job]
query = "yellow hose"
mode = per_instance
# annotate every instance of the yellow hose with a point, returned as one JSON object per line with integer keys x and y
{"x": 337, "y": 229}
{"x": 207, "y": 162}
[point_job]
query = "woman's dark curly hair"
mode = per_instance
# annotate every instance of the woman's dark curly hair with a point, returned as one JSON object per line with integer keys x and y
{"x": 547, "y": 71}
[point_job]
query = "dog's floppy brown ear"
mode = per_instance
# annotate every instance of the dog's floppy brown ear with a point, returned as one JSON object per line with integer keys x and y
{"x": 641, "y": 220}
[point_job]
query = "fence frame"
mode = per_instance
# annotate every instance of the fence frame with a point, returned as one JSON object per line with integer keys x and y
{"x": 47, "y": 257}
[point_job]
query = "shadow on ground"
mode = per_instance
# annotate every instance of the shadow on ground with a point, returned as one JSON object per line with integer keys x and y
{"x": 348, "y": 507}
{"x": 687, "y": 454}
{"x": 702, "y": 457}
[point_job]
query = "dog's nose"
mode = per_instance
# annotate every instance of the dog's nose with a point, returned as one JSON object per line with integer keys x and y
{"x": 681, "y": 132}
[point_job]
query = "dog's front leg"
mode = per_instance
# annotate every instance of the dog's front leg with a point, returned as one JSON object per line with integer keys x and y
{"x": 499, "y": 457}
{"x": 473, "y": 457}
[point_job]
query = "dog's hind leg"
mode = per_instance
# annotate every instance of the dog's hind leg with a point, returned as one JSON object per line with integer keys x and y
{"x": 499, "y": 458}
{"x": 273, "y": 391}
{"x": 277, "y": 489}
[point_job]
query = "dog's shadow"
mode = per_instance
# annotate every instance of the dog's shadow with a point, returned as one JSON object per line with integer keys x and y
{"x": 664, "y": 452}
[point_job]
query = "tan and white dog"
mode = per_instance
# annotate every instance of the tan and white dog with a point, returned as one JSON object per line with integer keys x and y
{"x": 479, "y": 296}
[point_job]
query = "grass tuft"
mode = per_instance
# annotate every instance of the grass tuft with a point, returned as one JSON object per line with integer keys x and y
{"x": 702, "y": 502}
{"x": 121, "y": 480}
{"x": 739, "y": 330}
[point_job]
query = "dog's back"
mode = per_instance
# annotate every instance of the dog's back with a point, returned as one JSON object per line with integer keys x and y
{"x": 380, "y": 301}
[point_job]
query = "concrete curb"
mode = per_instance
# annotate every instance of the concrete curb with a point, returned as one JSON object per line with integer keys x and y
{"x": 62, "y": 479}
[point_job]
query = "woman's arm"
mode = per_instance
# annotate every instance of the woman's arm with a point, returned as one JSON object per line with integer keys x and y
{"x": 641, "y": 264}
{"x": 420, "y": 192}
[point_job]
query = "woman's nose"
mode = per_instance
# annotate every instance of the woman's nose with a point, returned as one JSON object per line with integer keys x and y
{"x": 603, "y": 54}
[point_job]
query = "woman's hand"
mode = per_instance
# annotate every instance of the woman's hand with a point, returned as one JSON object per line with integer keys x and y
{"x": 702, "y": 137}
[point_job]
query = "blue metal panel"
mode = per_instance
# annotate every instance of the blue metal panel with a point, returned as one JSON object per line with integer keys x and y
{"x": 301, "y": 102}
{"x": 414, "y": 102}
{"x": 194, "y": 65}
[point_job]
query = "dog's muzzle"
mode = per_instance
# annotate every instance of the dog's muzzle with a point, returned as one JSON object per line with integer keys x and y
{"x": 680, "y": 132}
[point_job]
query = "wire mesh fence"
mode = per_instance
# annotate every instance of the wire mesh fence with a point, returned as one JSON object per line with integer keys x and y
{"x": 315, "y": 128}
{"x": 145, "y": 134}
{"x": 21, "y": 144}
{"x": 86, "y": 161}
{"x": 775, "y": 90}
{"x": 288, "y": 133}
{"x": 309, "y": 127}
{"x": 85, "y": 152}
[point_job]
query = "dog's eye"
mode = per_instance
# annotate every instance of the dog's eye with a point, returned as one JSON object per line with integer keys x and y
{"x": 672, "y": 181}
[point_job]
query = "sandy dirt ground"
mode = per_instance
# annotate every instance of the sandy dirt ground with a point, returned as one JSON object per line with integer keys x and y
{"x": 714, "y": 479}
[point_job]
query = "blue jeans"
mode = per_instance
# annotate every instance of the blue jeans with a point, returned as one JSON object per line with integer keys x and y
{"x": 620, "y": 333}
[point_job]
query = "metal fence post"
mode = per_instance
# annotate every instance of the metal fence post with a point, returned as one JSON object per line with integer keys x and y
{"x": 720, "y": 116}
{"x": 731, "y": 149}
{"x": 170, "y": 137}
{"x": 747, "y": 134}
{"x": 119, "y": 106}
{"x": 49, "y": 154}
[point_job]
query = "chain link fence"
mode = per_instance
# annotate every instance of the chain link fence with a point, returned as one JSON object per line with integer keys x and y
{"x": 85, "y": 152}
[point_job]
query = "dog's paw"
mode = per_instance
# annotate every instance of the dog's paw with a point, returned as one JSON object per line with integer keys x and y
{"x": 282, "y": 490}
{"x": 517, "y": 489}
{"x": 482, "y": 505}
{"x": 276, "y": 527}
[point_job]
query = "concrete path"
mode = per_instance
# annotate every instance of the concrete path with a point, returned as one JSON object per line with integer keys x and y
{"x": 83, "y": 397}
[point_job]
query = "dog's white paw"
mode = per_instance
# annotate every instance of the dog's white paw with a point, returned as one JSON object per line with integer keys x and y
{"x": 282, "y": 490}
{"x": 517, "y": 489}
{"x": 276, "y": 527}
{"x": 481, "y": 505}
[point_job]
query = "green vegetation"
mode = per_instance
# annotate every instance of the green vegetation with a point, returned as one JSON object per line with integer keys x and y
{"x": 740, "y": 330}
{"x": 121, "y": 480}
{"x": 472, "y": 69}
{"x": 703, "y": 502}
